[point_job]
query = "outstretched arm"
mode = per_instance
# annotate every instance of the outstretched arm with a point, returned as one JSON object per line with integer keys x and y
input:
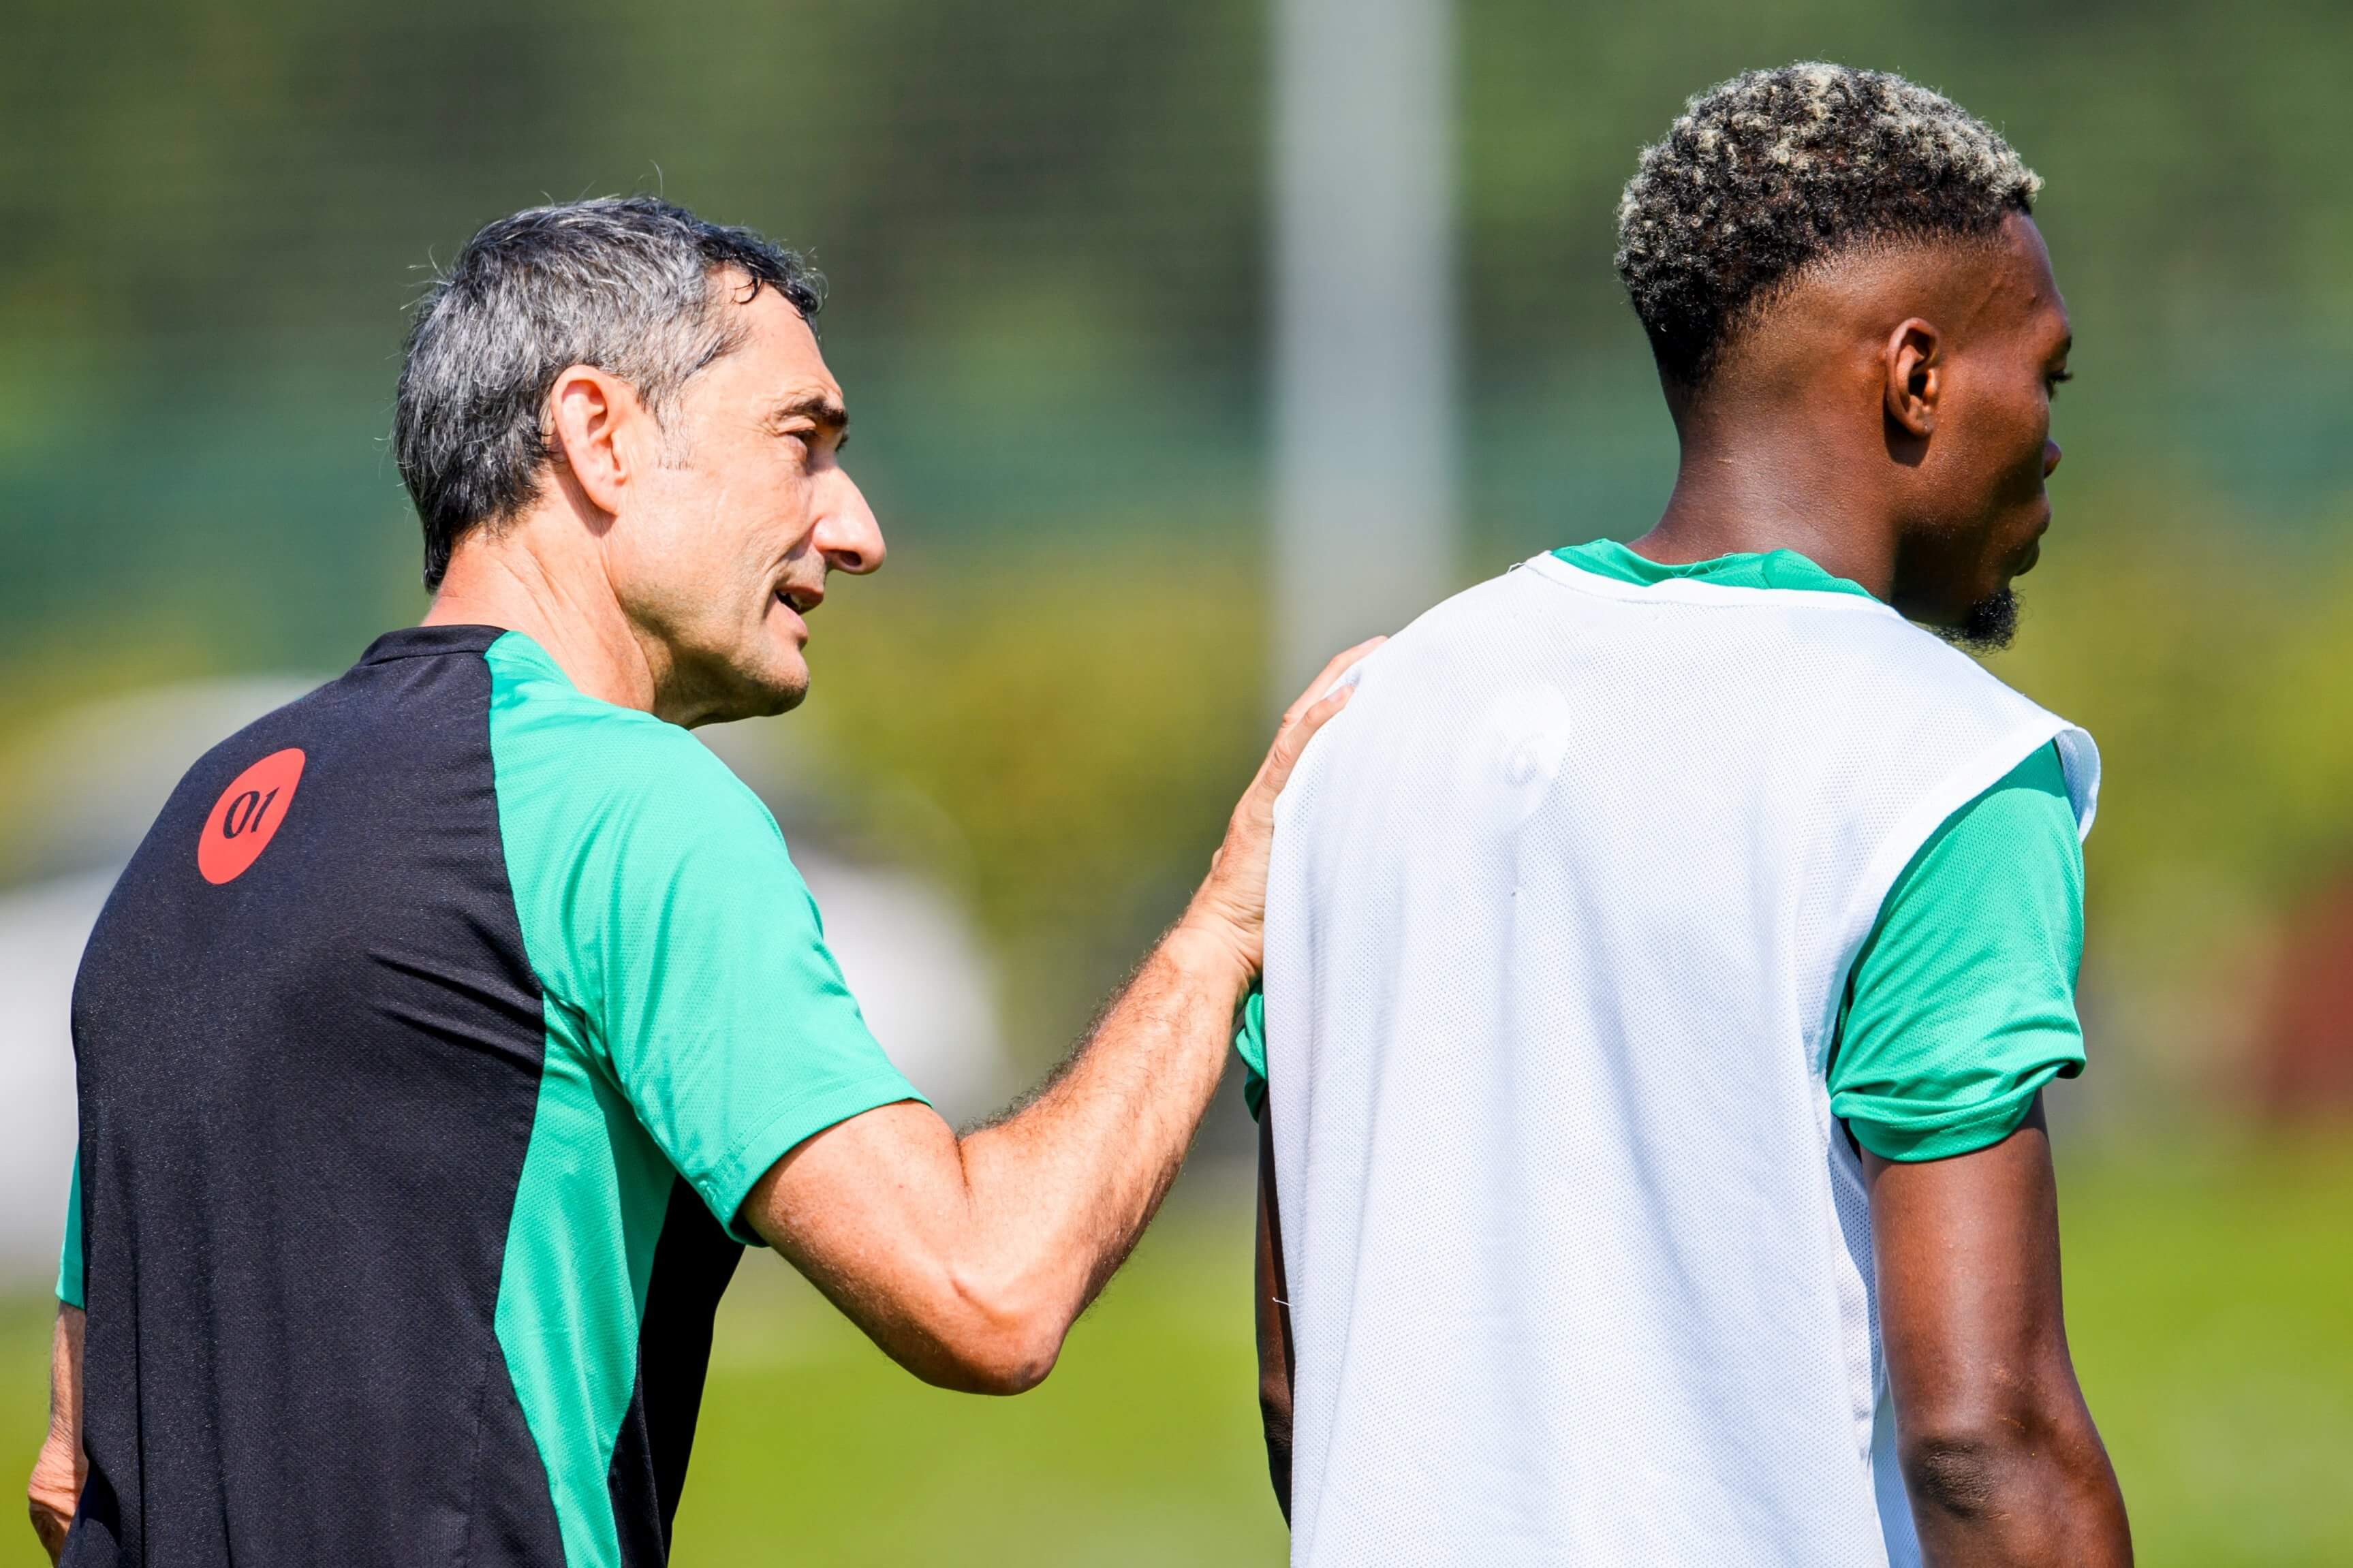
{"x": 1274, "y": 1375}
{"x": 55, "y": 1490}
{"x": 2000, "y": 1454}
{"x": 968, "y": 1260}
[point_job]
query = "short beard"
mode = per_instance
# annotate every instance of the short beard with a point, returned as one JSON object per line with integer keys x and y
{"x": 1988, "y": 628}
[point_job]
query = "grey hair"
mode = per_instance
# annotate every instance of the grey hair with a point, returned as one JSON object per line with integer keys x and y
{"x": 1774, "y": 170}
{"x": 631, "y": 285}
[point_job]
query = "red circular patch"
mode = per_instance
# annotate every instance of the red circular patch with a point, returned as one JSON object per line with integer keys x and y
{"x": 246, "y": 817}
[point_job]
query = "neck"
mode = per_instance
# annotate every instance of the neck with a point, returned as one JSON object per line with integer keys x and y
{"x": 562, "y": 604}
{"x": 1765, "y": 488}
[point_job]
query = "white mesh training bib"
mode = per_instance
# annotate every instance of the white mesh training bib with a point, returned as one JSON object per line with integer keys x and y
{"x": 1560, "y": 914}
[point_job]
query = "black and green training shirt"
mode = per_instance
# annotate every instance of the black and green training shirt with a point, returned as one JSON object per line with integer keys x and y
{"x": 428, "y": 1048}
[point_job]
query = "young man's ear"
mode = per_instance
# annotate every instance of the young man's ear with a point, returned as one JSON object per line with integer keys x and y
{"x": 1913, "y": 360}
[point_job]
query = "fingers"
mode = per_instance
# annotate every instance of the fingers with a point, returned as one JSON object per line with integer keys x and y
{"x": 1293, "y": 744}
{"x": 1236, "y": 887}
{"x": 1302, "y": 718}
{"x": 1323, "y": 683}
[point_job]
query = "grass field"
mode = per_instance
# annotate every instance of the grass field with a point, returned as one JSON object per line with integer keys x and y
{"x": 2210, "y": 1300}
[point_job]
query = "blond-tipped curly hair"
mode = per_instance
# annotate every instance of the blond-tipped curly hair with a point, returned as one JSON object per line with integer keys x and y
{"x": 1776, "y": 170}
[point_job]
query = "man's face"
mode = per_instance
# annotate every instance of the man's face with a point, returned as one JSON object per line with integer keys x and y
{"x": 1977, "y": 505}
{"x": 725, "y": 544}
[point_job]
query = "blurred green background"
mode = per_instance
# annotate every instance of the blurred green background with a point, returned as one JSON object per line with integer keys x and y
{"x": 1046, "y": 228}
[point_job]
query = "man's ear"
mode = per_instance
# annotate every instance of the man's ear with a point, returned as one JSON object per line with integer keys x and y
{"x": 593, "y": 422}
{"x": 1913, "y": 360}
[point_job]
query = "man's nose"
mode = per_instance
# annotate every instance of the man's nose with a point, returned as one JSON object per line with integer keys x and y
{"x": 2050, "y": 457}
{"x": 848, "y": 535}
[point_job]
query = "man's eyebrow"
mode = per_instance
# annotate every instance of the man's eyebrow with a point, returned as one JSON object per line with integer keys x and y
{"x": 825, "y": 409}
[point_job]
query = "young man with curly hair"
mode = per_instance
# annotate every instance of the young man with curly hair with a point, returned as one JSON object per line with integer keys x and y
{"x": 1667, "y": 952}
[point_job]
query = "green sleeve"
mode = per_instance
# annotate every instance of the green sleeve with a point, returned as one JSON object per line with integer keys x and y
{"x": 1250, "y": 1044}
{"x": 731, "y": 1028}
{"x": 660, "y": 908}
{"x": 70, "y": 1271}
{"x": 1961, "y": 1004}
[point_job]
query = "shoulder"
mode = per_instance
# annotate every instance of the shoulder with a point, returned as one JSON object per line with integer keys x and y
{"x": 2032, "y": 790}
{"x": 2000, "y": 881}
{"x": 1961, "y": 1004}
{"x": 626, "y": 839}
{"x": 592, "y": 797}
{"x": 1508, "y": 612}
{"x": 1880, "y": 695}
{"x": 558, "y": 750}
{"x": 2021, "y": 834}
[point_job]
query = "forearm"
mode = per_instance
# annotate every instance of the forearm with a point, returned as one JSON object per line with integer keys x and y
{"x": 2024, "y": 1492}
{"x": 1059, "y": 1192}
{"x": 968, "y": 1260}
{"x": 55, "y": 1489}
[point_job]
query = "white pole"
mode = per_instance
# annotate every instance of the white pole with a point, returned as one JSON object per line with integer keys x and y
{"x": 1364, "y": 295}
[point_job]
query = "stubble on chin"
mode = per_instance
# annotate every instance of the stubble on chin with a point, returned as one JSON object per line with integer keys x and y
{"x": 724, "y": 689}
{"x": 1991, "y": 625}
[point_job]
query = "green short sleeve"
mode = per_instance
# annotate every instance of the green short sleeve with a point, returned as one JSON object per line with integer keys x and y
{"x": 728, "y": 1023}
{"x": 1250, "y": 1044}
{"x": 69, "y": 1270}
{"x": 1962, "y": 1003}
{"x": 667, "y": 922}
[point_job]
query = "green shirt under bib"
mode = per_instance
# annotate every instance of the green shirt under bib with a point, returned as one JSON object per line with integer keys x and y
{"x": 1961, "y": 1004}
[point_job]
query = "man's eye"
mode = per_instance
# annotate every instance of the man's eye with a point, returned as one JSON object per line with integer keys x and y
{"x": 2057, "y": 379}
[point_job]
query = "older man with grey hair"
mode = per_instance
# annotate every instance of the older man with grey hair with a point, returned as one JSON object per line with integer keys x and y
{"x": 457, "y": 1026}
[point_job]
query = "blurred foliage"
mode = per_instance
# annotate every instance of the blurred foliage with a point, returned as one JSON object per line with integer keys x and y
{"x": 1080, "y": 727}
{"x": 1046, "y": 230}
